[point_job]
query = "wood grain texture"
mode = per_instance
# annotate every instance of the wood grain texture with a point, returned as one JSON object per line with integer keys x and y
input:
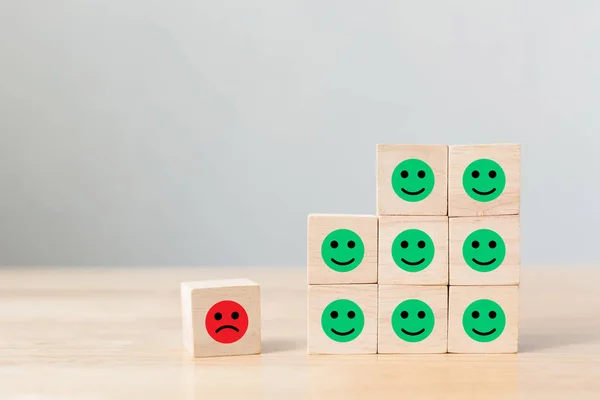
{"x": 390, "y": 296}
{"x": 319, "y": 297}
{"x": 388, "y": 158}
{"x": 509, "y": 158}
{"x": 115, "y": 333}
{"x": 461, "y": 297}
{"x": 507, "y": 273}
{"x": 434, "y": 274}
{"x": 196, "y": 300}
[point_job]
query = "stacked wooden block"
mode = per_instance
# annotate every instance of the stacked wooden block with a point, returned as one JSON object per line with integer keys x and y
{"x": 435, "y": 271}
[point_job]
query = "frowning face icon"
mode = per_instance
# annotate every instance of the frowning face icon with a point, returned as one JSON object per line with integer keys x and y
{"x": 226, "y": 321}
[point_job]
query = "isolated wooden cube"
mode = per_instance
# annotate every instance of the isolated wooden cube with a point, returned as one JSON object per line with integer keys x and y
{"x": 412, "y": 319}
{"x": 221, "y": 317}
{"x": 342, "y": 319}
{"x": 483, "y": 319}
{"x": 342, "y": 249}
{"x": 484, "y": 180}
{"x": 413, "y": 250}
{"x": 485, "y": 250}
{"x": 412, "y": 179}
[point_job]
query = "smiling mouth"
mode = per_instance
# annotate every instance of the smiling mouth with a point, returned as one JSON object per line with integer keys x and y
{"x": 484, "y": 193}
{"x": 412, "y": 333}
{"x": 421, "y": 261}
{"x": 342, "y": 333}
{"x": 412, "y": 193}
{"x": 484, "y": 263}
{"x": 484, "y": 333}
{"x": 342, "y": 263}
{"x": 219, "y": 329}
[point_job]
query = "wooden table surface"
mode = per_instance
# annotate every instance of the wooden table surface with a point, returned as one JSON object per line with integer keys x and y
{"x": 116, "y": 333}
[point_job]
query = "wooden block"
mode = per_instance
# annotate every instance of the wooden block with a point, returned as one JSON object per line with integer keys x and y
{"x": 412, "y": 319}
{"x": 484, "y": 180}
{"x": 221, "y": 317}
{"x": 483, "y": 319}
{"x": 412, "y": 179}
{"x": 342, "y": 319}
{"x": 485, "y": 250}
{"x": 401, "y": 258}
{"x": 342, "y": 249}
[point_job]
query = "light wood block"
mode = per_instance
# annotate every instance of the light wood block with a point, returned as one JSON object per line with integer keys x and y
{"x": 342, "y": 249}
{"x": 342, "y": 319}
{"x": 478, "y": 312}
{"x": 221, "y": 317}
{"x": 412, "y": 265}
{"x": 406, "y": 186}
{"x": 412, "y": 319}
{"x": 485, "y": 250}
{"x": 483, "y": 191}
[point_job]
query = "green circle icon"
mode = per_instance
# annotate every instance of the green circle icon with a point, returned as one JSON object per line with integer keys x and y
{"x": 413, "y": 320}
{"x": 484, "y": 320}
{"x": 484, "y": 180}
{"x": 413, "y": 180}
{"x": 342, "y": 320}
{"x": 342, "y": 250}
{"x": 484, "y": 250}
{"x": 413, "y": 250}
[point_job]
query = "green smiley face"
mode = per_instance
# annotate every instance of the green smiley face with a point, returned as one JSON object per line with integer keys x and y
{"x": 484, "y": 250}
{"x": 484, "y": 320}
{"x": 484, "y": 180}
{"x": 342, "y": 250}
{"x": 413, "y": 250}
{"x": 413, "y": 320}
{"x": 413, "y": 180}
{"x": 342, "y": 320}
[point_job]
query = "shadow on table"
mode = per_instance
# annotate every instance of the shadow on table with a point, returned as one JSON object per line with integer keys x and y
{"x": 557, "y": 333}
{"x": 281, "y": 345}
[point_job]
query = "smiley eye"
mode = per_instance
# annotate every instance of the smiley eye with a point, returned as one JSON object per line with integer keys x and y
{"x": 475, "y": 174}
{"x": 492, "y": 244}
{"x": 351, "y": 314}
{"x": 492, "y": 174}
{"x": 235, "y": 315}
{"x": 404, "y": 244}
{"x": 492, "y": 314}
{"x": 475, "y": 314}
{"x": 404, "y": 314}
{"x": 421, "y": 174}
{"x": 334, "y": 244}
{"x": 421, "y": 244}
{"x": 351, "y": 244}
{"x": 421, "y": 314}
{"x": 218, "y": 316}
{"x": 334, "y": 314}
{"x": 475, "y": 244}
{"x": 404, "y": 174}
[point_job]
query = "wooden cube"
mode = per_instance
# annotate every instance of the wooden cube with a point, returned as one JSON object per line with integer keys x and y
{"x": 221, "y": 317}
{"x": 412, "y": 319}
{"x": 412, "y": 179}
{"x": 342, "y": 249}
{"x": 485, "y": 250}
{"x": 484, "y": 180}
{"x": 413, "y": 250}
{"x": 483, "y": 319}
{"x": 342, "y": 319}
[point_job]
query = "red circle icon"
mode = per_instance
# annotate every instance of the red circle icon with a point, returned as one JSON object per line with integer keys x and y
{"x": 226, "y": 321}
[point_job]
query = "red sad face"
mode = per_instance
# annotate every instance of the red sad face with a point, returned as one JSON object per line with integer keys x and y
{"x": 226, "y": 321}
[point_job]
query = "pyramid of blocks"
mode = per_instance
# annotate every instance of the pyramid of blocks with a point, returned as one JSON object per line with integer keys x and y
{"x": 436, "y": 270}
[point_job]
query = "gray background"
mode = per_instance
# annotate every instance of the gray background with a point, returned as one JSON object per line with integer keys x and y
{"x": 143, "y": 132}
